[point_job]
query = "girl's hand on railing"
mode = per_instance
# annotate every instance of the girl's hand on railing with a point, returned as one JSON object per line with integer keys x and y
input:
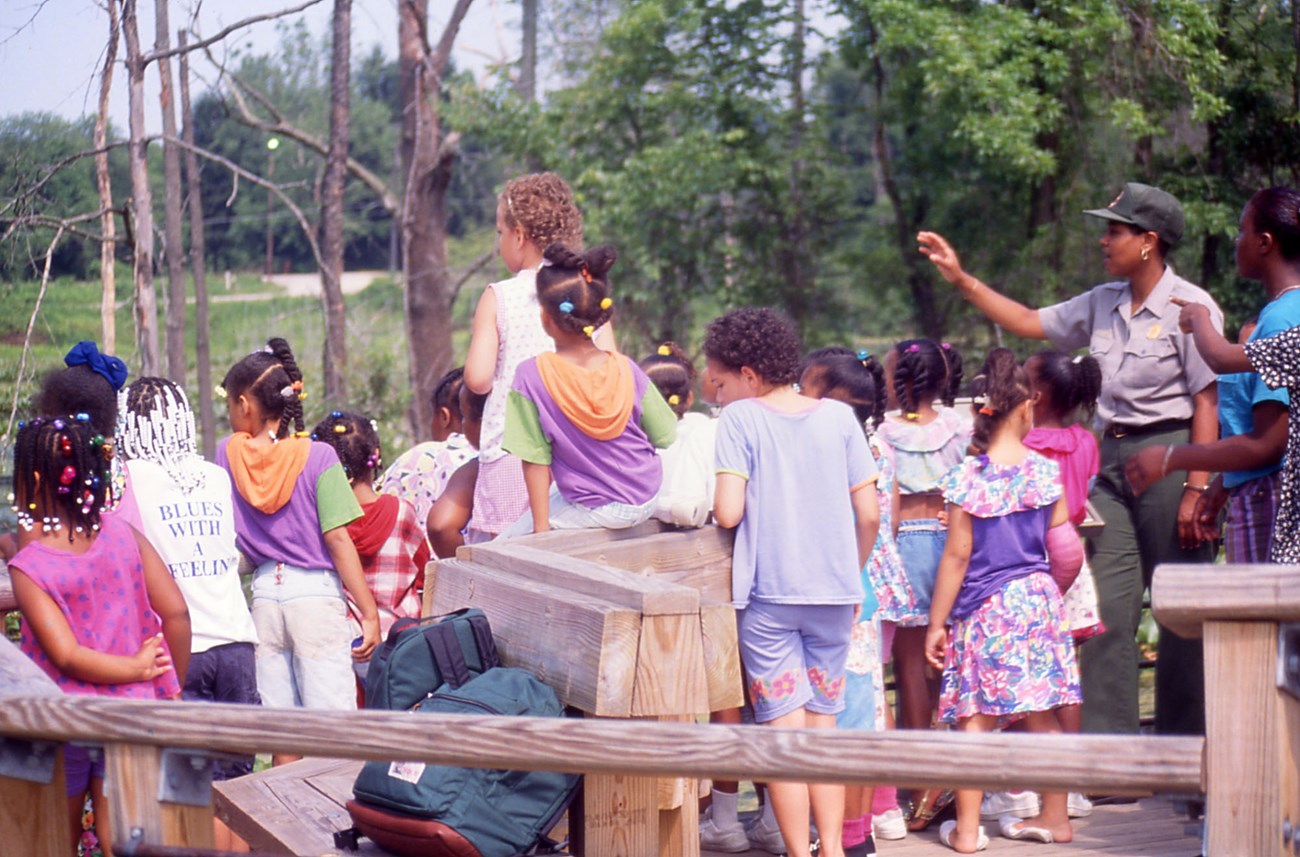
{"x": 936, "y": 645}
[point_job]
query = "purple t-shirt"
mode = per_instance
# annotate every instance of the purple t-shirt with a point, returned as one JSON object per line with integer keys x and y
{"x": 589, "y": 472}
{"x": 1010, "y": 509}
{"x": 797, "y": 542}
{"x": 322, "y": 500}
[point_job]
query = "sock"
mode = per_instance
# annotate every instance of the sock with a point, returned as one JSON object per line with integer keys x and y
{"x": 885, "y": 799}
{"x": 769, "y": 817}
{"x": 855, "y": 831}
{"x": 724, "y": 809}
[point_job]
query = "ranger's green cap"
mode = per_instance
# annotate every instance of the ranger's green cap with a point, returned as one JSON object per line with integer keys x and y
{"x": 1148, "y": 208}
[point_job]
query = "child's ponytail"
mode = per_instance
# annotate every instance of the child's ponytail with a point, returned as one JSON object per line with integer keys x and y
{"x": 922, "y": 374}
{"x": 673, "y": 374}
{"x": 951, "y": 359}
{"x": 573, "y": 287}
{"x": 293, "y": 402}
{"x": 271, "y": 378}
{"x": 1000, "y": 387}
{"x": 1071, "y": 383}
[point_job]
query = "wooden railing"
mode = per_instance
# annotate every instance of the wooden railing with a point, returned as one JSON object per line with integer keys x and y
{"x": 1249, "y": 764}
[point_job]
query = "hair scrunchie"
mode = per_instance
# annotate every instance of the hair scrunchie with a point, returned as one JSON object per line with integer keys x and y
{"x": 86, "y": 353}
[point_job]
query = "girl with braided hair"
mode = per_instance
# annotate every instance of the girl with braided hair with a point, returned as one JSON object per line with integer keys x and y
{"x": 585, "y": 416}
{"x": 1011, "y": 551}
{"x": 100, "y": 614}
{"x": 927, "y": 441}
{"x": 389, "y": 536}
{"x": 533, "y": 212}
{"x": 292, "y": 507}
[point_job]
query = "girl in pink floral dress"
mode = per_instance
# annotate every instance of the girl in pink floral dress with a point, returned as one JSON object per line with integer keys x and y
{"x": 1010, "y": 553}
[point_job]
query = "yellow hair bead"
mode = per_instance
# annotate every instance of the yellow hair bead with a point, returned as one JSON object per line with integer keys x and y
{"x": 674, "y": 400}
{"x": 665, "y": 351}
{"x": 340, "y": 429}
{"x": 589, "y": 330}
{"x": 606, "y": 303}
{"x": 303, "y": 433}
{"x": 302, "y": 395}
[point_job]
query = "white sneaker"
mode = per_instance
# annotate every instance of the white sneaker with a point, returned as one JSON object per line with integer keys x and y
{"x": 765, "y": 837}
{"x": 715, "y": 837}
{"x": 997, "y": 804}
{"x": 1078, "y": 806}
{"x": 890, "y": 824}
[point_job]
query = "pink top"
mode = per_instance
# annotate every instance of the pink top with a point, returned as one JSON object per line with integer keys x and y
{"x": 1074, "y": 449}
{"x": 102, "y": 595}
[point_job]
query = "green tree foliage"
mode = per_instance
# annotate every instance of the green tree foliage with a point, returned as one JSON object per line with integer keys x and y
{"x": 31, "y": 145}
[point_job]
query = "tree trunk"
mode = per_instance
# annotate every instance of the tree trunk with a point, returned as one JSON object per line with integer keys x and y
{"x": 528, "y": 53}
{"x": 335, "y": 355}
{"x": 428, "y": 160}
{"x": 173, "y": 251}
{"x": 794, "y": 253}
{"x": 108, "y": 222}
{"x": 198, "y": 264}
{"x": 146, "y": 300}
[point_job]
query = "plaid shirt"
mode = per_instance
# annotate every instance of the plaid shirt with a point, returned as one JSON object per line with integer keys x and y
{"x": 395, "y": 572}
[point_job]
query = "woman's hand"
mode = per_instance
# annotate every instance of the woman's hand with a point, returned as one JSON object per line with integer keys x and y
{"x": 937, "y": 249}
{"x": 1191, "y": 314}
{"x": 936, "y": 645}
{"x": 1144, "y": 467}
{"x": 151, "y": 659}
{"x": 1208, "y": 506}
{"x": 1188, "y": 534}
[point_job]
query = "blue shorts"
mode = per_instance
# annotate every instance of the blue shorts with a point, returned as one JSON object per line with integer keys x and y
{"x": 226, "y": 673}
{"x": 80, "y": 766}
{"x": 920, "y": 545}
{"x": 794, "y": 656}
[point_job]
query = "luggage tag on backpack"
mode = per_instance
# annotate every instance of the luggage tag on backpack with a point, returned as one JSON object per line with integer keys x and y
{"x": 407, "y": 772}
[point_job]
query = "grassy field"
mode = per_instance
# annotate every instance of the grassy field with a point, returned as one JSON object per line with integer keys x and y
{"x": 377, "y": 374}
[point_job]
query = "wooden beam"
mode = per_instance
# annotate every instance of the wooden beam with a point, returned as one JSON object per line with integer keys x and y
{"x": 644, "y": 594}
{"x": 1183, "y": 597}
{"x": 721, "y": 656}
{"x": 1118, "y": 764}
{"x": 670, "y": 672}
{"x": 583, "y": 647}
{"x": 698, "y": 558}
{"x": 565, "y": 541}
{"x": 7, "y": 600}
{"x": 131, "y": 778}
{"x": 35, "y": 815}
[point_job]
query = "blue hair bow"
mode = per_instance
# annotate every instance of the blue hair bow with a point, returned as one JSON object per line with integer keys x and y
{"x": 86, "y": 353}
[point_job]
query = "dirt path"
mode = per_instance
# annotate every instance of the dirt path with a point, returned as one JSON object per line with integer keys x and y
{"x": 308, "y": 285}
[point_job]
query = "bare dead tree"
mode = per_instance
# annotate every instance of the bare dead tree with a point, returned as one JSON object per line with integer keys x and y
{"x": 173, "y": 251}
{"x": 108, "y": 246}
{"x": 331, "y": 208}
{"x": 27, "y": 339}
{"x": 198, "y": 263}
{"x": 428, "y": 157}
{"x": 146, "y": 299}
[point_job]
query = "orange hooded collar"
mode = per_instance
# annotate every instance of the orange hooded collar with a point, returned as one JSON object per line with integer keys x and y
{"x": 598, "y": 401}
{"x": 265, "y": 475}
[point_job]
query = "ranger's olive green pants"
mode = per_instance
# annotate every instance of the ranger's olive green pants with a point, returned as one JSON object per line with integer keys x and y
{"x": 1139, "y": 534}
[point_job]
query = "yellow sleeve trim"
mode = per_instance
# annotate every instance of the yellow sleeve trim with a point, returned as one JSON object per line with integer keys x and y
{"x": 744, "y": 476}
{"x": 864, "y": 483}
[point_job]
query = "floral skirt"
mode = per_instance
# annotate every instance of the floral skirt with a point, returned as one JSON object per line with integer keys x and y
{"x": 1012, "y": 656}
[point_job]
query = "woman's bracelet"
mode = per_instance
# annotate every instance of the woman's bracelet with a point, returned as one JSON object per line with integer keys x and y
{"x": 1187, "y": 486}
{"x": 1164, "y": 465}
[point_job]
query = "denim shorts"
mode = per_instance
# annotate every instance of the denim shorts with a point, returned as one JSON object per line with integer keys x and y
{"x": 794, "y": 656}
{"x": 920, "y": 545}
{"x": 226, "y": 673}
{"x": 304, "y": 649}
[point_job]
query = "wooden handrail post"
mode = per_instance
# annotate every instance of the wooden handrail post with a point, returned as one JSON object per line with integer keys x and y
{"x": 132, "y": 776}
{"x": 36, "y": 814}
{"x": 1252, "y": 726}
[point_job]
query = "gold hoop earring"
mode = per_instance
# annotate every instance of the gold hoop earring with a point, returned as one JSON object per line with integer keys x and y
{"x": 1146, "y": 253}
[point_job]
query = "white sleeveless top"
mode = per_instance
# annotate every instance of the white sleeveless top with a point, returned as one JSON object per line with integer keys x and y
{"x": 519, "y": 337}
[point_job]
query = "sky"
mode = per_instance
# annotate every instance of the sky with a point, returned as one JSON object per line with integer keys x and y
{"x": 51, "y": 50}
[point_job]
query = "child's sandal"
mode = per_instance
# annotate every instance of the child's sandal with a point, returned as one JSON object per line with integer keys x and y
{"x": 927, "y": 807}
